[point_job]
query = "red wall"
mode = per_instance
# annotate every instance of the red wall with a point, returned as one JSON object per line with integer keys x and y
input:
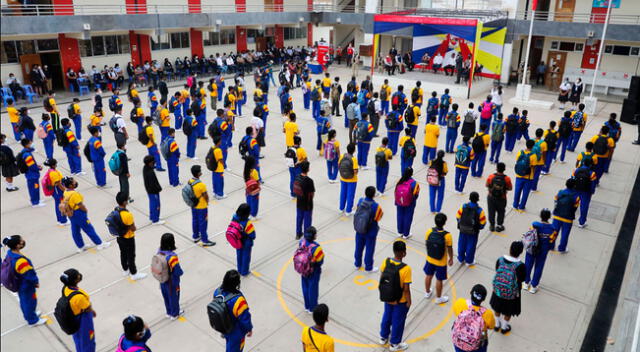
{"x": 69, "y": 54}
{"x": 136, "y": 6}
{"x": 241, "y": 6}
{"x": 62, "y": 7}
{"x": 277, "y": 5}
{"x": 590, "y": 53}
{"x": 598, "y": 14}
{"x": 279, "y": 36}
{"x": 195, "y": 6}
{"x": 241, "y": 39}
{"x": 197, "y": 47}
{"x": 309, "y": 34}
{"x": 140, "y": 52}
{"x": 309, "y": 5}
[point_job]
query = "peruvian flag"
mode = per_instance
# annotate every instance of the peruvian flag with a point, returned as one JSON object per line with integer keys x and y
{"x": 534, "y": 5}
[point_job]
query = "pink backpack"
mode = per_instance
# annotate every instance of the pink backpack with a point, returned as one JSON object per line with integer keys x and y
{"x": 404, "y": 194}
{"x": 47, "y": 187}
{"x": 130, "y": 349}
{"x": 302, "y": 260}
{"x": 41, "y": 132}
{"x": 486, "y": 110}
{"x": 190, "y": 81}
{"x": 433, "y": 177}
{"x": 467, "y": 331}
{"x": 329, "y": 151}
{"x": 234, "y": 234}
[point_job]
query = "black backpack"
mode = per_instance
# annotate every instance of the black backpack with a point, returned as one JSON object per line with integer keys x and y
{"x": 87, "y": 152}
{"x": 345, "y": 166}
{"x": 381, "y": 159}
{"x": 436, "y": 244}
{"x": 22, "y": 166}
{"x": 415, "y": 95}
{"x": 64, "y": 315}
{"x": 498, "y": 186}
{"x": 468, "y": 222}
{"x": 551, "y": 139}
{"x": 512, "y": 124}
{"x": 408, "y": 149}
{"x": 143, "y": 137}
{"x": 362, "y": 219}
{"x": 47, "y": 105}
{"x": 243, "y": 147}
{"x": 61, "y": 137}
{"x": 565, "y": 128}
{"x": 214, "y": 129}
{"x": 187, "y": 128}
{"x": 601, "y": 146}
{"x": 371, "y": 108}
{"x": 258, "y": 111}
{"x": 220, "y": 317}
{"x": 210, "y": 160}
{"x": 71, "y": 112}
{"x": 410, "y": 115}
{"x": 583, "y": 180}
{"x": 390, "y": 287}
{"x": 478, "y": 144}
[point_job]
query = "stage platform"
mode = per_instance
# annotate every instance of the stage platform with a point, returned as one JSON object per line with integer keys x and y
{"x": 434, "y": 82}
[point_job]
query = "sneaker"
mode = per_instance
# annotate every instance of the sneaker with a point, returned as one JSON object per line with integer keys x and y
{"x": 308, "y": 311}
{"x": 298, "y": 237}
{"x": 80, "y": 250}
{"x": 366, "y": 168}
{"x": 103, "y": 245}
{"x": 161, "y": 170}
{"x": 12, "y": 189}
{"x": 208, "y": 244}
{"x": 138, "y": 276}
{"x": 349, "y": 213}
{"x": 40, "y": 321}
{"x": 39, "y": 205}
{"x": 442, "y": 300}
{"x": 374, "y": 270}
{"x": 637, "y": 142}
{"x": 499, "y": 228}
{"x": 428, "y": 295}
{"x": 227, "y": 170}
{"x": 525, "y": 286}
{"x": 533, "y": 289}
{"x": 582, "y": 226}
{"x": 159, "y": 222}
{"x": 196, "y": 240}
{"x": 399, "y": 347}
{"x": 224, "y": 196}
{"x": 130, "y": 200}
{"x": 496, "y": 328}
{"x": 471, "y": 264}
{"x": 492, "y": 228}
{"x": 64, "y": 223}
{"x": 383, "y": 341}
{"x": 407, "y": 236}
{"x": 506, "y": 329}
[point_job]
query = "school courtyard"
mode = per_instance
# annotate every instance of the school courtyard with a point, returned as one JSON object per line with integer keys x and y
{"x": 554, "y": 319}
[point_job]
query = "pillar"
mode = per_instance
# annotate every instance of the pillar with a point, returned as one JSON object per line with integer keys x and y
{"x": 62, "y": 7}
{"x": 135, "y": 7}
{"x": 140, "y": 48}
{"x": 277, "y": 6}
{"x": 279, "y": 36}
{"x": 309, "y": 34}
{"x": 241, "y": 6}
{"x": 505, "y": 70}
{"x": 195, "y": 6}
{"x": 69, "y": 55}
{"x": 197, "y": 47}
{"x": 241, "y": 39}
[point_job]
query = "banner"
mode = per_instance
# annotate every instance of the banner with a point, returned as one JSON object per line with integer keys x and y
{"x": 605, "y": 4}
{"x": 323, "y": 52}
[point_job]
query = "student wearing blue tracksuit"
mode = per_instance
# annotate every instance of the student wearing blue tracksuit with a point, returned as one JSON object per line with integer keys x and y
{"x": 551, "y": 139}
{"x": 578, "y": 123}
{"x": 407, "y": 191}
{"x": 32, "y": 173}
{"x": 364, "y": 135}
{"x": 395, "y": 313}
{"x": 192, "y": 137}
{"x": 97, "y": 157}
{"x": 79, "y": 219}
{"x": 251, "y": 179}
{"x": 55, "y": 178}
{"x": 243, "y": 254}
{"x": 221, "y": 128}
{"x": 433, "y": 107}
{"x": 511, "y": 130}
{"x": 443, "y": 111}
{"x": 135, "y": 336}
{"x": 27, "y": 126}
{"x": 220, "y": 84}
{"x": 366, "y": 242}
{"x": 186, "y": 102}
{"x": 615, "y": 131}
{"x": 173, "y": 161}
{"x": 253, "y": 149}
{"x": 171, "y": 288}
{"x": 452, "y": 121}
{"x": 347, "y": 99}
{"x": 332, "y": 154}
{"x": 585, "y": 186}
{"x": 306, "y": 94}
{"x": 469, "y": 230}
{"x": 408, "y": 150}
{"x": 497, "y": 137}
{"x": 463, "y": 157}
{"x": 323, "y": 125}
{"x": 152, "y": 146}
{"x": 394, "y": 127}
{"x": 72, "y": 149}
{"x": 51, "y": 135}
{"x": 238, "y": 308}
{"x": 176, "y": 108}
{"x": 310, "y": 284}
{"x": 27, "y": 280}
{"x": 200, "y": 211}
{"x": 382, "y": 157}
{"x": 567, "y": 202}
{"x": 525, "y": 169}
{"x": 564, "y": 134}
{"x": 523, "y": 126}
{"x": 199, "y": 109}
{"x": 316, "y": 96}
{"x": 477, "y": 164}
{"x": 534, "y": 262}
{"x": 217, "y": 176}
{"x": 76, "y": 117}
{"x": 84, "y": 339}
{"x": 436, "y": 192}
{"x": 152, "y": 98}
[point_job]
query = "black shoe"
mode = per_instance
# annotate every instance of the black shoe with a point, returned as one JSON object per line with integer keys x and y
{"x": 196, "y": 240}
{"x": 492, "y": 228}
{"x": 208, "y": 244}
{"x": 499, "y": 228}
{"x": 496, "y": 328}
{"x": 504, "y": 331}
{"x": 341, "y": 116}
{"x": 12, "y": 189}
{"x": 130, "y": 200}
{"x": 298, "y": 237}
{"x": 161, "y": 170}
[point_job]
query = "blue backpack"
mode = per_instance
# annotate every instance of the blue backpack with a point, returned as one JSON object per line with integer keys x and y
{"x": 523, "y": 164}
{"x": 314, "y": 94}
{"x": 462, "y": 155}
{"x": 114, "y": 223}
{"x": 114, "y": 163}
{"x": 361, "y": 96}
{"x": 576, "y": 120}
{"x": 112, "y": 103}
{"x": 444, "y": 101}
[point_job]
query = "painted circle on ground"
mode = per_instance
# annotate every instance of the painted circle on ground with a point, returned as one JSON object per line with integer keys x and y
{"x": 285, "y": 307}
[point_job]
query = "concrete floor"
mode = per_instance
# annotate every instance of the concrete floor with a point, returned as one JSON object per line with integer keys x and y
{"x": 554, "y": 319}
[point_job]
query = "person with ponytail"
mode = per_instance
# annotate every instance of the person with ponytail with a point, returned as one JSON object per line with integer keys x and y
{"x": 436, "y": 190}
{"x": 478, "y": 295}
{"x": 55, "y": 182}
{"x": 406, "y": 196}
{"x": 252, "y": 185}
{"x": 135, "y": 336}
{"x": 79, "y": 219}
{"x": 27, "y": 279}
{"x": 239, "y": 308}
{"x": 171, "y": 288}
{"x": 84, "y": 339}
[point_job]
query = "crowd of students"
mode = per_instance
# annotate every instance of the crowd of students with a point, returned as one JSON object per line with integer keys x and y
{"x": 484, "y": 130}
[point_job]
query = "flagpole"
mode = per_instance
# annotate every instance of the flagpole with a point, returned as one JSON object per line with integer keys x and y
{"x": 526, "y": 58}
{"x": 604, "y": 33}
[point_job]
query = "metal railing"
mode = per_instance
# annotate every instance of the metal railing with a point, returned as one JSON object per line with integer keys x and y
{"x": 578, "y": 17}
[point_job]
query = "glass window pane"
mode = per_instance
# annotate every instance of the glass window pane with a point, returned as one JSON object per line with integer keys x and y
{"x": 215, "y": 38}
{"x": 175, "y": 40}
{"x": 26, "y": 47}
{"x": 85, "y": 48}
{"x": 232, "y": 36}
{"x": 123, "y": 44}
{"x": 621, "y": 50}
{"x": 97, "y": 44}
{"x": 184, "y": 39}
{"x": 47, "y": 44}
{"x": 111, "y": 44}
{"x": 9, "y": 53}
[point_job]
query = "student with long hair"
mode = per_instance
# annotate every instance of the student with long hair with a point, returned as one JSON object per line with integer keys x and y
{"x": 436, "y": 190}
{"x": 84, "y": 339}
{"x": 238, "y": 307}
{"x": 406, "y": 196}
{"x": 252, "y": 185}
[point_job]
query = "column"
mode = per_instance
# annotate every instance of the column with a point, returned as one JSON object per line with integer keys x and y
{"x": 135, "y": 7}
{"x": 195, "y": 6}
{"x": 62, "y": 7}
{"x": 241, "y": 39}
{"x": 140, "y": 48}
{"x": 197, "y": 47}
{"x": 279, "y": 36}
{"x": 241, "y": 6}
{"x": 309, "y": 34}
{"x": 69, "y": 55}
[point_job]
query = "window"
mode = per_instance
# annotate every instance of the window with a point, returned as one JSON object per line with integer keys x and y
{"x": 635, "y": 51}
{"x": 85, "y": 48}
{"x": 104, "y": 45}
{"x": 160, "y": 42}
{"x": 567, "y": 46}
{"x": 621, "y": 50}
{"x": 11, "y": 50}
{"x": 8, "y": 52}
{"x": 227, "y": 36}
{"x": 97, "y": 46}
{"x": 25, "y": 47}
{"x": 579, "y": 46}
{"x": 47, "y": 44}
{"x": 211, "y": 38}
{"x": 179, "y": 40}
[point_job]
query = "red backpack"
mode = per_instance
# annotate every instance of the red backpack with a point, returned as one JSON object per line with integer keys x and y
{"x": 47, "y": 186}
{"x": 234, "y": 234}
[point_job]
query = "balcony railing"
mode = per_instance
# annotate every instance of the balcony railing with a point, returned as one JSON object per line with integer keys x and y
{"x": 578, "y": 17}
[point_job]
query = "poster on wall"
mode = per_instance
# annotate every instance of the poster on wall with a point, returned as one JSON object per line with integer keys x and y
{"x": 605, "y": 4}
{"x": 323, "y": 52}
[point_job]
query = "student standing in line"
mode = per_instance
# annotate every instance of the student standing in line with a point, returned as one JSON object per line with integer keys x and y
{"x": 353, "y": 115}
{"x": 439, "y": 247}
{"x": 123, "y": 174}
{"x": 452, "y": 121}
{"x": 480, "y": 145}
{"x": 567, "y": 202}
{"x": 497, "y": 137}
{"x": 395, "y": 310}
{"x": 126, "y": 241}
{"x": 310, "y": 284}
{"x": 505, "y": 299}
{"x": 523, "y": 126}
{"x": 348, "y": 168}
{"x": 408, "y": 151}
{"x": 462, "y": 308}
{"x": 412, "y": 118}
{"x": 368, "y": 213}
{"x": 432, "y": 106}
{"x": 252, "y": 185}
{"x": 175, "y": 107}
{"x": 511, "y": 130}
{"x": 314, "y": 338}
{"x": 437, "y": 183}
{"x": 385, "y": 97}
{"x": 9, "y": 167}
{"x": 406, "y": 195}
{"x": 171, "y": 288}
{"x": 551, "y": 139}
{"x": 323, "y": 125}
{"x": 578, "y": 122}
{"x": 564, "y": 134}
{"x": 615, "y": 131}
{"x": 238, "y": 308}
{"x": 51, "y": 136}
{"x": 72, "y": 149}
{"x": 331, "y": 154}
{"x": 217, "y": 168}
{"x": 222, "y": 129}
{"x": 84, "y": 339}
{"x": 152, "y": 146}
{"x": 173, "y": 161}
{"x": 57, "y": 189}
{"x": 243, "y": 254}
{"x": 463, "y": 157}
{"x": 97, "y": 157}
{"x": 135, "y": 336}
{"x": 431, "y": 134}
{"x": 524, "y": 168}
{"x": 586, "y": 187}
{"x": 383, "y": 155}
{"x": 165, "y": 122}
{"x": 137, "y": 115}
{"x": 189, "y": 127}
{"x": 31, "y": 172}
{"x": 603, "y": 146}
{"x": 469, "y": 122}
{"x": 394, "y": 125}
{"x": 443, "y": 110}
{"x": 498, "y": 184}
{"x": 290, "y": 130}
{"x": 540, "y": 149}
{"x": 27, "y": 279}
{"x": 306, "y": 95}
{"x": 486, "y": 109}
{"x": 14, "y": 118}
{"x": 27, "y": 126}
{"x": 304, "y": 199}
{"x": 587, "y": 154}
{"x": 364, "y": 135}
{"x": 471, "y": 219}
{"x": 76, "y": 116}
{"x": 153, "y": 188}
{"x": 536, "y": 256}
{"x": 297, "y": 158}
{"x": 200, "y": 212}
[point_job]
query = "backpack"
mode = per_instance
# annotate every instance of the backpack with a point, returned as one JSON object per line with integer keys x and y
{"x": 478, "y": 143}
{"x": 171, "y": 107}
{"x": 165, "y": 148}
{"x": 512, "y": 123}
{"x": 220, "y": 318}
{"x": 383, "y": 93}
{"x": 314, "y": 94}
{"x": 583, "y": 180}
{"x": 47, "y": 186}
{"x": 505, "y": 284}
{"x": 415, "y": 95}
{"x": 469, "y": 118}
{"x": 47, "y": 105}
{"x": 160, "y": 267}
{"x": 431, "y": 106}
{"x": 235, "y": 234}
{"x": 114, "y": 162}
{"x": 565, "y": 127}
{"x": 143, "y": 137}
{"x": 613, "y": 129}
{"x": 210, "y": 160}
{"x": 302, "y": 260}
{"x": 462, "y": 155}
{"x": 395, "y": 101}
{"x": 498, "y": 186}
{"x": 64, "y": 315}
{"x": 436, "y": 244}
{"x": 537, "y": 149}
{"x": 601, "y": 146}
{"x": 214, "y": 128}
{"x": 330, "y": 151}
{"x": 226, "y": 101}
{"x": 257, "y": 111}
{"x": 363, "y": 217}
{"x": 523, "y": 164}
{"x": 498, "y": 132}
{"x": 361, "y": 130}
{"x": 156, "y": 117}
{"x": 392, "y": 121}
{"x": 346, "y": 167}
{"x": 133, "y": 115}
{"x": 130, "y": 349}
{"x": 71, "y": 112}
{"x": 243, "y": 147}
{"x": 551, "y": 139}
{"x": 409, "y": 115}
{"x": 371, "y": 108}
{"x": 444, "y": 101}
{"x": 351, "y": 112}
{"x": 297, "y": 187}
{"x": 87, "y": 152}
{"x": 452, "y": 120}
{"x": 65, "y": 208}
{"x": 188, "y": 194}
{"x": 22, "y": 165}
{"x": 531, "y": 241}
{"x": 112, "y": 103}
{"x": 41, "y": 132}
{"x": 61, "y": 137}
{"x": 468, "y": 222}
{"x": 291, "y": 157}
{"x": 586, "y": 156}
{"x": 433, "y": 176}
{"x": 114, "y": 223}
{"x": 187, "y": 128}
{"x": 390, "y": 287}
{"x": 404, "y": 194}
{"x": 486, "y": 110}
{"x": 523, "y": 124}
{"x": 381, "y": 159}
{"x": 252, "y": 187}
{"x": 8, "y": 275}
{"x": 113, "y": 123}
{"x": 576, "y": 119}
{"x": 467, "y": 332}
{"x": 408, "y": 149}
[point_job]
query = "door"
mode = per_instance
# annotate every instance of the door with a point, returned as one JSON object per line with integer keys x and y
{"x": 564, "y": 10}
{"x": 52, "y": 60}
{"x": 261, "y": 43}
{"x": 27, "y": 62}
{"x": 558, "y": 58}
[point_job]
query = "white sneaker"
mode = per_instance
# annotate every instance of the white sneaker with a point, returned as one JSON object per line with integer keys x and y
{"x": 582, "y": 226}
{"x": 374, "y": 270}
{"x": 64, "y": 223}
{"x": 126, "y": 273}
{"x": 382, "y": 341}
{"x": 366, "y": 168}
{"x": 159, "y": 222}
{"x": 194, "y": 158}
{"x": 103, "y": 245}
{"x": 138, "y": 276}
{"x": 471, "y": 264}
{"x": 525, "y": 286}
{"x": 428, "y": 295}
{"x": 255, "y": 218}
{"x": 40, "y": 321}
{"x": 227, "y": 170}
{"x": 349, "y": 213}
{"x": 408, "y": 236}
{"x": 224, "y": 196}
{"x": 399, "y": 347}
{"x": 442, "y": 300}
{"x": 39, "y": 205}
{"x": 533, "y": 290}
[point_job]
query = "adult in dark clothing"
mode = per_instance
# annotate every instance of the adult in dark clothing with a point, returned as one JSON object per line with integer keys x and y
{"x": 26, "y": 124}
{"x": 162, "y": 89}
{"x": 304, "y": 201}
{"x": 8, "y": 164}
{"x": 124, "y": 175}
{"x": 153, "y": 188}
{"x": 505, "y": 299}
{"x": 459, "y": 61}
{"x": 498, "y": 185}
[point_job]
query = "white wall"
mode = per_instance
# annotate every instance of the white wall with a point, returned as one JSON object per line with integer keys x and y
{"x": 220, "y": 49}
{"x": 100, "y": 61}
{"x": 171, "y": 54}
{"x": 609, "y": 62}
{"x": 322, "y": 32}
{"x": 6, "y": 69}
{"x": 294, "y": 5}
{"x": 295, "y": 42}
{"x": 255, "y": 5}
{"x": 95, "y": 9}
